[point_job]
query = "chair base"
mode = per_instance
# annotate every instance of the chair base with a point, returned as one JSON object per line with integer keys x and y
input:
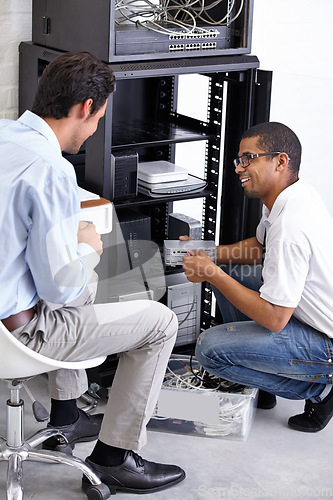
{"x": 15, "y": 450}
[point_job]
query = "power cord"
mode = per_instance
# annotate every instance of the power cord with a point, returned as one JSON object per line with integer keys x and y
{"x": 192, "y": 305}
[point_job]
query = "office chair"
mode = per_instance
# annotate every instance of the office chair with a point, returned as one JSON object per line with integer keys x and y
{"x": 19, "y": 363}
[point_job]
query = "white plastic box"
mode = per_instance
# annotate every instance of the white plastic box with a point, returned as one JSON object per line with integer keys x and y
{"x": 97, "y": 210}
{"x": 161, "y": 171}
{"x": 202, "y": 412}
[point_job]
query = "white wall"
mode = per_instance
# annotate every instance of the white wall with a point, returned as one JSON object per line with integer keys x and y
{"x": 293, "y": 38}
{"x": 15, "y": 26}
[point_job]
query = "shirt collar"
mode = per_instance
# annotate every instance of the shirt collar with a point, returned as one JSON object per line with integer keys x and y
{"x": 281, "y": 200}
{"x": 37, "y": 123}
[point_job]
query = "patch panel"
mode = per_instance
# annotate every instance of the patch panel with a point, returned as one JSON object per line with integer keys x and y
{"x": 178, "y": 36}
{"x": 176, "y": 47}
{"x": 179, "y": 42}
{"x": 181, "y": 35}
{"x": 180, "y": 47}
{"x": 192, "y": 46}
{"x": 194, "y": 34}
{"x": 208, "y": 45}
{"x": 199, "y": 34}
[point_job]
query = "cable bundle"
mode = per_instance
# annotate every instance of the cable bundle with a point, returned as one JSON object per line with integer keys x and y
{"x": 186, "y": 373}
{"x": 188, "y": 376}
{"x": 184, "y": 14}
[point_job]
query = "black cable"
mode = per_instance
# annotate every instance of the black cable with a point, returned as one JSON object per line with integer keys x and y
{"x": 191, "y": 308}
{"x": 211, "y": 380}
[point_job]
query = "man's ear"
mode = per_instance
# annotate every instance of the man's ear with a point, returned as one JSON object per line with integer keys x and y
{"x": 283, "y": 160}
{"x": 86, "y": 108}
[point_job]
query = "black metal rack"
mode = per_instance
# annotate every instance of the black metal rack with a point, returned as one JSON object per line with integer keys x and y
{"x": 142, "y": 114}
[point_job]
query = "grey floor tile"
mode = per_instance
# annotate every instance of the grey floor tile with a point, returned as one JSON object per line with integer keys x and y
{"x": 274, "y": 462}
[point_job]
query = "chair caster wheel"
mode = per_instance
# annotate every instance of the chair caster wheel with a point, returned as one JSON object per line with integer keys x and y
{"x": 98, "y": 492}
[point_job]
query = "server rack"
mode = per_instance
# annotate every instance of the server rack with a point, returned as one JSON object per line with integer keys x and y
{"x": 142, "y": 114}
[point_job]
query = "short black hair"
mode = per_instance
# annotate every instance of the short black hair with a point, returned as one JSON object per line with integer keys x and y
{"x": 72, "y": 78}
{"x": 274, "y": 136}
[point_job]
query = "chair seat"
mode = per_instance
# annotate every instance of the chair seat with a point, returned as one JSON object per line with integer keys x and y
{"x": 21, "y": 362}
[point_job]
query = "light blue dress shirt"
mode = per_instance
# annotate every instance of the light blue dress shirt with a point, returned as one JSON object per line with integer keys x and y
{"x": 40, "y": 257}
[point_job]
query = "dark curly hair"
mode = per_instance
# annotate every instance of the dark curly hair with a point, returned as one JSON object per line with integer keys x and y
{"x": 72, "y": 78}
{"x": 274, "y": 136}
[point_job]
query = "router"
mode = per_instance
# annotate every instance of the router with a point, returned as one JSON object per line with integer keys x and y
{"x": 190, "y": 185}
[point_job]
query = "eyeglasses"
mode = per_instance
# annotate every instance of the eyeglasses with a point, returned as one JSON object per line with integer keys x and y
{"x": 245, "y": 160}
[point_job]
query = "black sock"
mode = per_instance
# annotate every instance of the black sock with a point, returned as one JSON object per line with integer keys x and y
{"x": 106, "y": 455}
{"x": 63, "y": 412}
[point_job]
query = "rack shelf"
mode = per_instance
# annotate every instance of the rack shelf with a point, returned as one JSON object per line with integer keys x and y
{"x": 142, "y": 200}
{"x": 146, "y": 133}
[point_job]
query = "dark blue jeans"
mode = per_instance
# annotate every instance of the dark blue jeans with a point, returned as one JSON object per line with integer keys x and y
{"x": 295, "y": 363}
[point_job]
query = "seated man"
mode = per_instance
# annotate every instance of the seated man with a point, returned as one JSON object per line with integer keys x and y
{"x": 48, "y": 257}
{"x": 286, "y": 349}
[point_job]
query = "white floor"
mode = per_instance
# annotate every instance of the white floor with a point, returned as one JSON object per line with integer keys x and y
{"x": 274, "y": 462}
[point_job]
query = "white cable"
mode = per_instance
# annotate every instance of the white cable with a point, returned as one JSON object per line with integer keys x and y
{"x": 233, "y": 410}
{"x": 186, "y": 14}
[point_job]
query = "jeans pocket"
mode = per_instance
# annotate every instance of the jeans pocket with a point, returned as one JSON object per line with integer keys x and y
{"x": 311, "y": 371}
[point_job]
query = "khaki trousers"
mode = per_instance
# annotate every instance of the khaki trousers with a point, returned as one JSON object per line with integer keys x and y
{"x": 142, "y": 332}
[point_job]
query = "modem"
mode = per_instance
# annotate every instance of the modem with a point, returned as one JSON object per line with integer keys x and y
{"x": 160, "y": 171}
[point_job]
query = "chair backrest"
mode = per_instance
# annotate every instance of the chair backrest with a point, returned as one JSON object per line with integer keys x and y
{"x": 19, "y": 362}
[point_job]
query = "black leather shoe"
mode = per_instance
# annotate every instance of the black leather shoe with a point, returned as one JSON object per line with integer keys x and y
{"x": 315, "y": 417}
{"x": 266, "y": 401}
{"x": 86, "y": 428}
{"x": 136, "y": 475}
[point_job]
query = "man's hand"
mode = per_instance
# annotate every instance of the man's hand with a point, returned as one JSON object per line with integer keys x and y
{"x": 87, "y": 234}
{"x": 198, "y": 267}
{"x": 185, "y": 238}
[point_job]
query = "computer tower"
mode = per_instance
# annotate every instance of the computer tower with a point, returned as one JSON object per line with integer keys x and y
{"x": 126, "y": 249}
{"x": 133, "y": 229}
{"x": 184, "y": 299}
{"x": 142, "y": 30}
{"x": 124, "y": 175}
